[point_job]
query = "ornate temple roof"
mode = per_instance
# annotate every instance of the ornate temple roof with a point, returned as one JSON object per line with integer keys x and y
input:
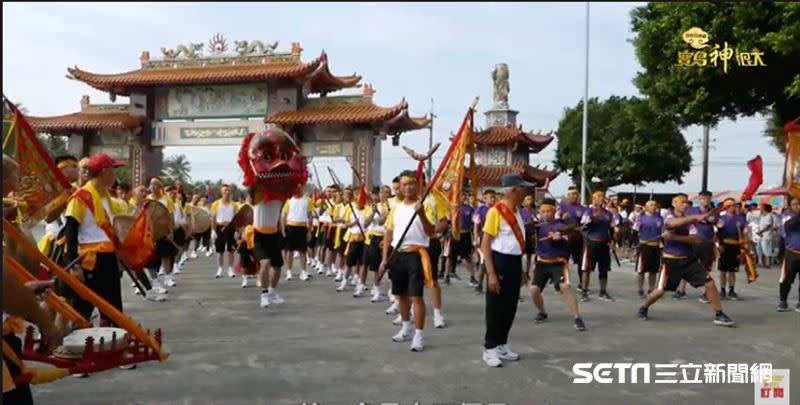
{"x": 504, "y": 135}
{"x": 249, "y": 62}
{"x": 91, "y": 118}
{"x": 352, "y": 110}
{"x": 491, "y": 174}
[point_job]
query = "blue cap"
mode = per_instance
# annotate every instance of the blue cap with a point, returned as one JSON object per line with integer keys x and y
{"x": 512, "y": 179}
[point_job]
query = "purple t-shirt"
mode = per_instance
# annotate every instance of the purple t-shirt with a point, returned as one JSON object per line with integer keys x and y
{"x": 575, "y": 212}
{"x": 479, "y": 215}
{"x": 465, "y": 213}
{"x": 675, "y": 248}
{"x": 703, "y": 230}
{"x": 731, "y": 226}
{"x": 551, "y": 249}
{"x": 649, "y": 227}
{"x": 791, "y": 230}
{"x": 598, "y": 229}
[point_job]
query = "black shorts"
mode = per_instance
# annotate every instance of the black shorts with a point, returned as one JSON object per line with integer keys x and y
{"x": 179, "y": 236}
{"x": 342, "y": 243}
{"x": 648, "y": 259}
{"x": 729, "y": 258}
{"x": 544, "y": 272}
{"x": 530, "y": 241}
{"x": 329, "y": 236}
{"x": 268, "y": 247}
{"x": 165, "y": 248}
{"x": 434, "y": 252}
{"x": 296, "y": 238}
{"x": 596, "y": 254}
{"x": 462, "y": 248}
{"x": 104, "y": 280}
{"x": 675, "y": 270}
{"x": 225, "y": 242}
{"x": 406, "y": 274}
{"x": 374, "y": 254}
{"x": 706, "y": 253}
{"x": 246, "y": 258}
{"x": 575, "y": 244}
{"x": 355, "y": 253}
{"x": 312, "y": 243}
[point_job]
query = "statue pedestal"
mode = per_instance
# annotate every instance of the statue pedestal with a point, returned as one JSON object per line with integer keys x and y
{"x": 501, "y": 116}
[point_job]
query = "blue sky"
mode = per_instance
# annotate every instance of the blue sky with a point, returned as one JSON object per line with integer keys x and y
{"x": 439, "y": 51}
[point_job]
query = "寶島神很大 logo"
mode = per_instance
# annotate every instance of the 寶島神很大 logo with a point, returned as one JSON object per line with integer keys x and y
{"x": 702, "y": 54}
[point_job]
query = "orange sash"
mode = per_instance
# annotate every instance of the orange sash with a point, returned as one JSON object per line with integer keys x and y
{"x": 427, "y": 270}
{"x": 88, "y": 251}
{"x": 511, "y": 220}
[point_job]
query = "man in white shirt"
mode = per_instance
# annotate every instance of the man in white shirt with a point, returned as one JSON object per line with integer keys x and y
{"x": 766, "y": 233}
{"x": 296, "y": 218}
{"x": 222, "y": 213}
{"x": 409, "y": 265}
{"x": 502, "y": 245}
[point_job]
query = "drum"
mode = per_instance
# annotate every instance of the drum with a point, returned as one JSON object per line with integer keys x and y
{"x": 242, "y": 218}
{"x": 159, "y": 219}
{"x": 200, "y": 220}
{"x": 122, "y": 225}
{"x": 75, "y": 343}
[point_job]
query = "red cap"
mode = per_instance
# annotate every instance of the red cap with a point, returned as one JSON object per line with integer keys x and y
{"x": 102, "y": 161}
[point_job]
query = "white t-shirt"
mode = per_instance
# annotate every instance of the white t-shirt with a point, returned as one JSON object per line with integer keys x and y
{"x": 398, "y": 221}
{"x": 266, "y": 214}
{"x": 359, "y": 215}
{"x": 504, "y": 240}
{"x": 89, "y": 232}
{"x": 178, "y": 215}
{"x": 224, "y": 212}
{"x": 297, "y": 210}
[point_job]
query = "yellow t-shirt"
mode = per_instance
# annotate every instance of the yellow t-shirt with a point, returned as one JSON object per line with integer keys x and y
{"x": 503, "y": 239}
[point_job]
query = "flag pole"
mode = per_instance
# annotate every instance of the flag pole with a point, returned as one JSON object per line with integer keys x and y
{"x": 585, "y": 129}
{"x": 431, "y": 182}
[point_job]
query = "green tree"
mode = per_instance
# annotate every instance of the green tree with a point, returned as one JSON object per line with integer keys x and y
{"x": 697, "y": 95}
{"x": 177, "y": 168}
{"x": 629, "y": 143}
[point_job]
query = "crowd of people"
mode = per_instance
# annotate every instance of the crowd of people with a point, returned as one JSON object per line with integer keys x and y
{"x": 402, "y": 236}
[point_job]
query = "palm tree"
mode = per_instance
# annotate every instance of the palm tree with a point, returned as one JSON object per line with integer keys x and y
{"x": 178, "y": 169}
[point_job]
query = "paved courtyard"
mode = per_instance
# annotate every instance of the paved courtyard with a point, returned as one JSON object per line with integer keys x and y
{"x": 331, "y": 348}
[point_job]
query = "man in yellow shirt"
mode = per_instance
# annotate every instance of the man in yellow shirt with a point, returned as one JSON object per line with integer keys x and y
{"x": 90, "y": 214}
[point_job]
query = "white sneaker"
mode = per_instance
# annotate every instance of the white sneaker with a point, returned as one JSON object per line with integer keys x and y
{"x": 161, "y": 271}
{"x": 176, "y": 269}
{"x": 392, "y": 298}
{"x": 289, "y": 275}
{"x": 504, "y": 353}
{"x": 491, "y": 358}
{"x": 152, "y": 295}
{"x": 320, "y": 270}
{"x": 231, "y": 274}
{"x": 359, "y": 290}
{"x": 418, "y": 343}
{"x": 403, "y": 335}
{"x": 296, "y": 255}
{"x": 264, "y": 300}
{"x": 193, "y": 255}
{"x": 219, "y": 273}
{"x": 136, "y": 291}
{"x": 158, "y": 286}
{"x": 392, "y": 309}
{"x": 209, "y": 253}
{"x": 380, "y": 297}
{"x": 438, "y": 321}
{"x": 275, "y": 298}
{"x": 244, "y": 281}
{"x": 258, "y": 281}
{"x": 304, "y": 276}
{"x": 342, "y": 286}
{"x": 328, "y": 272}
{"x": 397, "y": 320}
{"x": 338, "y": 277}
{"x": 169, "y": 281}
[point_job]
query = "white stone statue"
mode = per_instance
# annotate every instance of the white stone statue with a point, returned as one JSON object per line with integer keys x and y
{"x": 501, "y": 88}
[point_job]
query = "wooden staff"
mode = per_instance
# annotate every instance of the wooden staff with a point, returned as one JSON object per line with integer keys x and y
{"x": 358, "y": 221}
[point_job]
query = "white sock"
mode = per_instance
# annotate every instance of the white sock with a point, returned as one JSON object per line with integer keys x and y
{"x": 437, "y": 312}
{"x": 270, "y": 290}
{"x": 406, "y": 326}
{"x": 219, "y": 269}
{"x": 418, "y": 332}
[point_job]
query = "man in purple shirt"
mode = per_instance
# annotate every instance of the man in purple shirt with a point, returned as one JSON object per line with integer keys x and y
{"x": 571, "y": 211}
{"x": 528, "y": 214}
{"x": 597, "y": 224}
{"x": 648, "y": 225}
{"x": 462, "y": 247}
{"x": 731, "y": 229}
{"x": 706, "y": 249}
{"x": 680, "y": 262}
{"x": 552, "y": 263}
{"x": 791, "y": 254}
{"x": 478, "y": 217}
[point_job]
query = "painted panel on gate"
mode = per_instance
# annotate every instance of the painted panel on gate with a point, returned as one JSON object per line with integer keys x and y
{"x": 223, "y": 101}
{"x": 213, "y": 133}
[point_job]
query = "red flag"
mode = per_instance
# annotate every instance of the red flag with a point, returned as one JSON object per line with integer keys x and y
{"x": 362, "y": 195}
{"x": 756, "y": 177}
{"x": 449, "y": 179}
{"x": 41, "y": 184}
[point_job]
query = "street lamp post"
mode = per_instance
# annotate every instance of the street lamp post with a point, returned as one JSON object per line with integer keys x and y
{"x": 585, "y": 131}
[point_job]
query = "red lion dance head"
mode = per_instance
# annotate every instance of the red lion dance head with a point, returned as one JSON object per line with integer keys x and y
{"x": 272, "y": 162}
